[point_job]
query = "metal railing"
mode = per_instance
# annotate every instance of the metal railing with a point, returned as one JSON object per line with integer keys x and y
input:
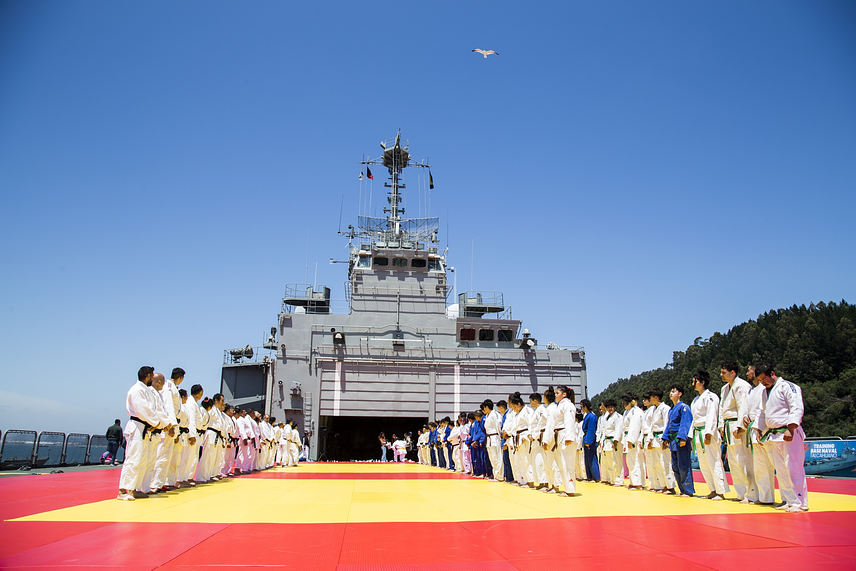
{"x": 28, "y": 449}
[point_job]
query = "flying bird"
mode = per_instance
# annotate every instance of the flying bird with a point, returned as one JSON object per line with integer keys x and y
{"x": 486, "y": 53}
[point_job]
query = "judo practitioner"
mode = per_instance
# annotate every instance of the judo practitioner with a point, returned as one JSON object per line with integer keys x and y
{"x": 733, "y": 407}
{"x": 706, "y": 440}
{"x": 783, "y": 407}
{"x": 677, "y": 438}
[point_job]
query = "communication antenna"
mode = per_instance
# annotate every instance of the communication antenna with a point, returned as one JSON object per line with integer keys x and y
{"x": 341, "y": 206}
{"x": 306, "y": 272}
{"x": 472, "y": 262}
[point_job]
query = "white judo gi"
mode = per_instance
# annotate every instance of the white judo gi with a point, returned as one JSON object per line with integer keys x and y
{"x": 760, "y": 452}
{"x": 140, "y": 404}
{"x": 632, "y": 443}
{"x": 705, "y": 409}
{"x": 493, "y": 427}
{"x": 783, "y": 405}
{"x": 733, "y": 406}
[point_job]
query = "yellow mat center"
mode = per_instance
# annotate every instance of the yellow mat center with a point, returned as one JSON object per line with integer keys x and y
{"x": 345, "y": 500}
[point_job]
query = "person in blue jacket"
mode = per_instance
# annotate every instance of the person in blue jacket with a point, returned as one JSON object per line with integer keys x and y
{"x": 447, "y": 448}
{"x": 590, "y": 442}
{"x": 677, "y": 437}
{"x": 478, "y": 437}
{"x": 432, "y": 440}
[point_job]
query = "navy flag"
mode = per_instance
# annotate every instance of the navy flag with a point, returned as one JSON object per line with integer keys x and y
{"x": 369, "y": 174}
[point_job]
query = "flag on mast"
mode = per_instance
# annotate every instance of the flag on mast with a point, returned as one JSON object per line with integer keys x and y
{"x": 430, "y": 180}
{"x": 369, "y": 174}
{"x": 361, "y": 174}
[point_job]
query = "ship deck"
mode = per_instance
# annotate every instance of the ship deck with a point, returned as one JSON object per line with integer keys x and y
{"x": 360, "y": 517}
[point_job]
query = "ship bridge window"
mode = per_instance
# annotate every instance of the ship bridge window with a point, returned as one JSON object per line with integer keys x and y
{"x": 399, "y": 262}
{"x": 418, "y": 263}
{"x": 504, "y": 335}
{"x": 485, "y": 334}
{"x": 468, "y": 334}
{"x": 364, "y": 262}
{"x": 379, "y": 261}
{"x": 434, "y": 265}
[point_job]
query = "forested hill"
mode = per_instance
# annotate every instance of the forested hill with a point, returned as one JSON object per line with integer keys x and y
{"x": 813, "y": 346}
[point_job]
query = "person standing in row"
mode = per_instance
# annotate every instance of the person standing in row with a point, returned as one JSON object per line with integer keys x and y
{"x": 493, "y": 446}
{"x": 677, "y": 437}
{"x": 783, "y": 407}
{"x": 733, "y": 407}
{"x": 590, "y": 442}
{"x": 613, "y": 430}
{"x": 632, "y": 440}
{"x": 762, "y": 459}
{"x": 537, "y": 455}
{"x": 658, "y": 457}
{"x": 706, "y": 439}
{"x": 142, "y": 410}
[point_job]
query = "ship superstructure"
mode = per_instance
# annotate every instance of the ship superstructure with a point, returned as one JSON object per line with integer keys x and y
{"x": 394, "y": 353}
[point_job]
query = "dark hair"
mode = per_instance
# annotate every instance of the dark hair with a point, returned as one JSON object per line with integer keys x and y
{"x": 182, "y": 393}
{"x": 118, "y": 421}
{"x": 765, "y": 369}
{"x": 217, "y": 396}
{"x": 516, "y": 400}
{"x": 207, "y": 403}
{"x": 502, "y": 404}
{"x": 471, "y": 416}
{"x": 272, "y": 419}
{"x": 656, "y": 393}
{"x": 586, "y": 403}
{"x": 536, "y": 396}
{"x": 144, "y": 372}
{"x": 478, "y": 414}
{"x": 487, "y": 403}
{"x": 703, "y": 376}
{"x": 579, "y": 416}
{"x": 676, "y": 387}
{"x": 195, "y": 389}
{"x": 177, "y": 373}
{"x": 569, "y": 392}
{"x": 610, "y": 403}
{"x": 729, "y": 366}
{"x": 550, "y": 395}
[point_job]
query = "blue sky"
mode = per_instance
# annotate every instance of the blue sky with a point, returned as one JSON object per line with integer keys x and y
{"x": 630, "y": 175}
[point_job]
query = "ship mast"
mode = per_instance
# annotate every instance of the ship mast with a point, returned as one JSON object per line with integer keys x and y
{"x": 395, "y": 228}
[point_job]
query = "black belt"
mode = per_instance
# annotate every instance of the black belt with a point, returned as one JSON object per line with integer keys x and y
{"x": 146, "y": 426}
{"x": 217, "y": 432}
{"x": 182, "y": 430}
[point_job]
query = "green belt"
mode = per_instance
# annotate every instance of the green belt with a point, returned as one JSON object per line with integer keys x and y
{"x": 729, "y": 438}
{"x": 697, "y": 432}
{"x": 780, "y": 430}
{"x": 749, "y": 437}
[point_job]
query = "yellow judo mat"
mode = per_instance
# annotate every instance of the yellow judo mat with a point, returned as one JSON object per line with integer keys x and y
{"x": 276, "y": 496}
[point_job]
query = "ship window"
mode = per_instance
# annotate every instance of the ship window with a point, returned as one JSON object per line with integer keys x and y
{"x": 364, "y": 262}
{"x": 504, "y": 335}
{"x": 433, "y": 265}
{"x": 468, "y": 334}
{"x": 399, "y": 262}
{"x": 485, "y": 334}
{"x": 418, "y": 263}
{"x": 381, "y": 261}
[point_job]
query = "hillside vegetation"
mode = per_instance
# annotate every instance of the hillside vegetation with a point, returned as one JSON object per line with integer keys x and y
{"x": 813, "y": 346}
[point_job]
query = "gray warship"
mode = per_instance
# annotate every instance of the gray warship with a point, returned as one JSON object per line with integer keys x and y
{"x": 392, "y": 352}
